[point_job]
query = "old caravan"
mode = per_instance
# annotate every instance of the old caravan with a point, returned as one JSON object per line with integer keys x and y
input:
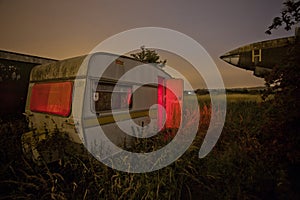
{"x": 93, "y": 90}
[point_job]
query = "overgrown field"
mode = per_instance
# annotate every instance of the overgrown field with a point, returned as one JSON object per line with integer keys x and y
{"x": 248, "y": 162}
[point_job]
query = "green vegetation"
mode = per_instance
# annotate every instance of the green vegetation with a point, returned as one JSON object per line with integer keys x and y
{"x": 248, "y": 162}
{"x": 234, "y": 98}
{"x": 148, "y": 56}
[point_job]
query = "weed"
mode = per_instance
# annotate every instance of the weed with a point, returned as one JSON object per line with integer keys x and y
{"x": 246, "y": 163}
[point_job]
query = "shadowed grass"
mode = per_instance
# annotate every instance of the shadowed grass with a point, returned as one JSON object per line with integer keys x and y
{"x": 243, "y": 165}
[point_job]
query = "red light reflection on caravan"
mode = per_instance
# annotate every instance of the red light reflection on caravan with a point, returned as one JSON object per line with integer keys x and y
{"x": 174, "y": 96}
{"x": 169, "y": 96}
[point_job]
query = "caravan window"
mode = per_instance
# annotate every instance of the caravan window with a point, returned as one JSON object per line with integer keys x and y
{"x": 105, "y": 100}
{"x": 53, "y": 98}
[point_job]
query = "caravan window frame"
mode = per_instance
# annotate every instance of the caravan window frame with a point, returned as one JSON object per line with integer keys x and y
{"x": 108, "y": 88}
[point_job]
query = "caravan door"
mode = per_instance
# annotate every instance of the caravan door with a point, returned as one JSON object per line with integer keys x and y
{"x": 170, "y": 97}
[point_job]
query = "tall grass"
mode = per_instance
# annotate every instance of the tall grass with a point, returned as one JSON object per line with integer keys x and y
{"x": 237, "y": 168}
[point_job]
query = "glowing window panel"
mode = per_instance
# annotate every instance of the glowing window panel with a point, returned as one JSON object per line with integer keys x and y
{"x": 174, "y": 96}
{"x": 53, "y": 98}
{"x": 160, "y": 101}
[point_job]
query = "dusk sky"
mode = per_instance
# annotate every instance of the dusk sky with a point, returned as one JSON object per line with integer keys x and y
{"x": 63, "y": 29}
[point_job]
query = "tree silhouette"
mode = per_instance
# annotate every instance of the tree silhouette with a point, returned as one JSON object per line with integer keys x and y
{"x": 284, "y": 79}
{"x": 281, "y": 124}
{"x": 148, "y": 56}
{"x": 290, "y": 16}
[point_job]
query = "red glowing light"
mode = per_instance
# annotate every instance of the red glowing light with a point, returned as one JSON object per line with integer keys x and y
{"x": 174, "y": 92}
{"x": 52, "y": 98}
